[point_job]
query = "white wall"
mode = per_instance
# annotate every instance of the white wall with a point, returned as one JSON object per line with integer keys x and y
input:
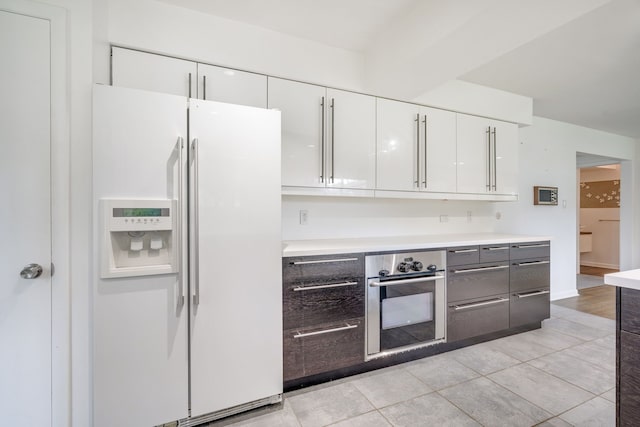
{"x": 337, "y": 217}
{"x": 603, "y": 223}
{"x": 548, "y": 157}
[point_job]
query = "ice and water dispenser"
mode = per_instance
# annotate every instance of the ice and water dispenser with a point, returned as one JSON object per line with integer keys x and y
{"x": 140, "y": 237}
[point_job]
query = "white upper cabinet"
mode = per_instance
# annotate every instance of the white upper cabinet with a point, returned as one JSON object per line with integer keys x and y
{"x": 416, "y": 148}
{"x": 351, "y": 140}
{"x": 147, "y": 71}
{"x": 232, "y": 86}
{"x": 328, "y": 135}
{"x": 487, "y": 155}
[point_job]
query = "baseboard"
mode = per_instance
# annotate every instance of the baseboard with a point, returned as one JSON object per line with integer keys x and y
{"x": 564, "y": 294}
{"x": 600, "y": 265}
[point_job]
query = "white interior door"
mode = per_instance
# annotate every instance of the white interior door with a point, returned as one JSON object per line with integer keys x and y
{"x": 25, "y": 221}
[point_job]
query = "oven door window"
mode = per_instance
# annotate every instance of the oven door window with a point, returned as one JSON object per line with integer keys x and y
{"x": 407, "y": 314}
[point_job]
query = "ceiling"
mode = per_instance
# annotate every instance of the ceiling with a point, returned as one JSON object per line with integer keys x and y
{"x": 578, "y": 59}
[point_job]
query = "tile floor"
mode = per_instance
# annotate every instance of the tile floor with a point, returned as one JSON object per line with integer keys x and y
{"x": 560, "y": 375}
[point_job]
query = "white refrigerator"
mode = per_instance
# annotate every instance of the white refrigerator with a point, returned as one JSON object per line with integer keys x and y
{"x": 203, "y": 339}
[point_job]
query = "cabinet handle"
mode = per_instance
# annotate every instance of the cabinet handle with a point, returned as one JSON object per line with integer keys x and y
{"x": 204, "y": 88}
{"x": 488, "y": 158}
{"x": 496, "y": 248}
{"x": 332, "y": 285}
{"x": 196, "y": 225}
{"x": 479, "y": 304}
{"x": 472, "y": 270}
{"x": 531, "y": 294}
{"x": 322, "y": 141}
{"x": 521, "y": 264}
{"x": 463, "y": 251}
{"x": 333, "y": 139}
{"x": 495, "y": 160}
{"x": 425, "y": 151}
{"x": 417, "y": 181}
{"x": 189, "y": 85}
{"x": 323, "y": 261}
{"x": 325, "y": 331}
{"x": 537, "y": 245}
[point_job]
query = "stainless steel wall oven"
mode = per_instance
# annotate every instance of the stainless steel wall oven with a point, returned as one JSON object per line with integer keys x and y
{"x": 406, "y": 301}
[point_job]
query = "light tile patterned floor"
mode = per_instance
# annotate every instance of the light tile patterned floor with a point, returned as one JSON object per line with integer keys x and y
{"x": 560, "y": 375}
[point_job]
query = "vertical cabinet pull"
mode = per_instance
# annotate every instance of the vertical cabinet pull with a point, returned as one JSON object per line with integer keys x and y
{"x": 189, "y": 85}
{"x": 204, "y": 87}
{"x": 424, "y": 182}
{"x": 495, "y": 161}
{"x": 333, "y": 139}
{"x": 322, "y": 141}
{"x": 489, "y": 158}
{"x": 417, "y": 181}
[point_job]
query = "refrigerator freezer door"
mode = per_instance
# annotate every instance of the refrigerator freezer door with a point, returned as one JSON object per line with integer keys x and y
{"x": 236, "y": 335}
{"x": 140, "y": 329}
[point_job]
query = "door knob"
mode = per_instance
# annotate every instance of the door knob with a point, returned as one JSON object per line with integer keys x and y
{"x": 31, "y": 271}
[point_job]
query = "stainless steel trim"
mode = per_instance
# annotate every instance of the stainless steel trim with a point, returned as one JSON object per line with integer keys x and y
{"x": 520, "y": 264}
{"x": 402, "y": 349}
{"x": 406, "y": 281}
{"x": 332, "y": 285}
{"x": 463, "y": 251}
{"x": 537, "y": 245}
{"x": 532, "y": 294}
{"x": 223, "y": 413}
{"x": 417, "y": 181}
{"x": 31, "y": 271}
{"x": 323, "y": 261}
{"x": 495, "y": 160}
{"x": 189, "y": 85}
{"x": 496, "y": 248}
{"x": 325, "y": 331}
{"x": 196, "y": 252}
{"x": 471, "y": 270}
{"x": 333, "y": 139}
{"x": 322, "y": 140}
{"x": 479, "y": 304}
{"x": 425, "y": 151}
{"x": 181, "y": 284}
{"x": 488, "y": 181}
{"x": 204, "y": 87}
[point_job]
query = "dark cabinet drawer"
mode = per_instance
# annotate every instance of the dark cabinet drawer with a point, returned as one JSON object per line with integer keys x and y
{"x": 629, "y": 379}
{"x": 463, "y": 255}
{"x": 530, "y": 250}
{"x": 529, "y": 274}
{"x": 493, "y": 253}
{"x": 529, "y": 307}
{"x": 321, "y": 302}
{"x": 477, "y": 317}
{"x": 630, "y": 310}
{"x": 476, "y": 281}
{"x": 324, "y": 348}
{"x": 310, "y": 269}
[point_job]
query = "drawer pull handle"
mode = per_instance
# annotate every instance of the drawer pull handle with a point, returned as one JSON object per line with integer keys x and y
{"x": 538, "y": 245}
{"x": 332, "y": 285}
{"x": 463, "y": 251}
{"x": 479, "y": 304}
{"x": 496, "y": 248}
{"x": 521, "y": 264}
{"x": 406, "y": 281}
{"x": 532, "y": 294}
{"x": 323, "y": 261}
{"x": 472, "y": 270}
{"x": 325, "y": 331}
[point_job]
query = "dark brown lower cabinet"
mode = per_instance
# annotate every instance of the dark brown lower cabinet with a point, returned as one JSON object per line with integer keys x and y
{"x": 323, "y": 348}
{"x": 476, "y": 317}
{"x": 629, "y": 379}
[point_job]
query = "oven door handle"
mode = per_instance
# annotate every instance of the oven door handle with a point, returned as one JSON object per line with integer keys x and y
{"x": 406, "y": 281}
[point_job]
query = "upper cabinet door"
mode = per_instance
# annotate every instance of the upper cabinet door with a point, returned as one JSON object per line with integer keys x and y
{"x": 438, "y": 134}
{"x": 487, "y": 155}
{"x": 147, "y": 71}
{"x": 397, "y": 145}
{"x": 303, "y": 129}
{"x": 232, "y": 86}
{"x": 351, "y": 140}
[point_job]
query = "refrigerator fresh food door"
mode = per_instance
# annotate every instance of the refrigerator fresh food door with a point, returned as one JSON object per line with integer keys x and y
{"x": 140, "y": 326}
{"x": 235, "y": 283}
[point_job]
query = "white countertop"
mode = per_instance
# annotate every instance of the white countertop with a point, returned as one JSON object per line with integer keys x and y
{"x": 624, "y": 279}
{"x": 392, "y": 243}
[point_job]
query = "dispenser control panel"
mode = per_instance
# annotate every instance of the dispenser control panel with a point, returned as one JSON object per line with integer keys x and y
{"x": 139, "y": 218}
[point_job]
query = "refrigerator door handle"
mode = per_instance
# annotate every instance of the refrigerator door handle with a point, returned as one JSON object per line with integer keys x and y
{"x": 180, "y": 148}
{"x": 196, "y": 256}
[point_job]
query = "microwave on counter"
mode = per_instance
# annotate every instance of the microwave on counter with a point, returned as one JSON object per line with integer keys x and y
{"x": 545, "y": 195}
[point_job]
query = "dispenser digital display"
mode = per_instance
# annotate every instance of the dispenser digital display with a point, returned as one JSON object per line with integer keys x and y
{"x": 140, "y": 212}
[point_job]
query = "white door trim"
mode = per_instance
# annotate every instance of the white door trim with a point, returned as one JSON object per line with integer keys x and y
{"x": 60, "y": 213}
